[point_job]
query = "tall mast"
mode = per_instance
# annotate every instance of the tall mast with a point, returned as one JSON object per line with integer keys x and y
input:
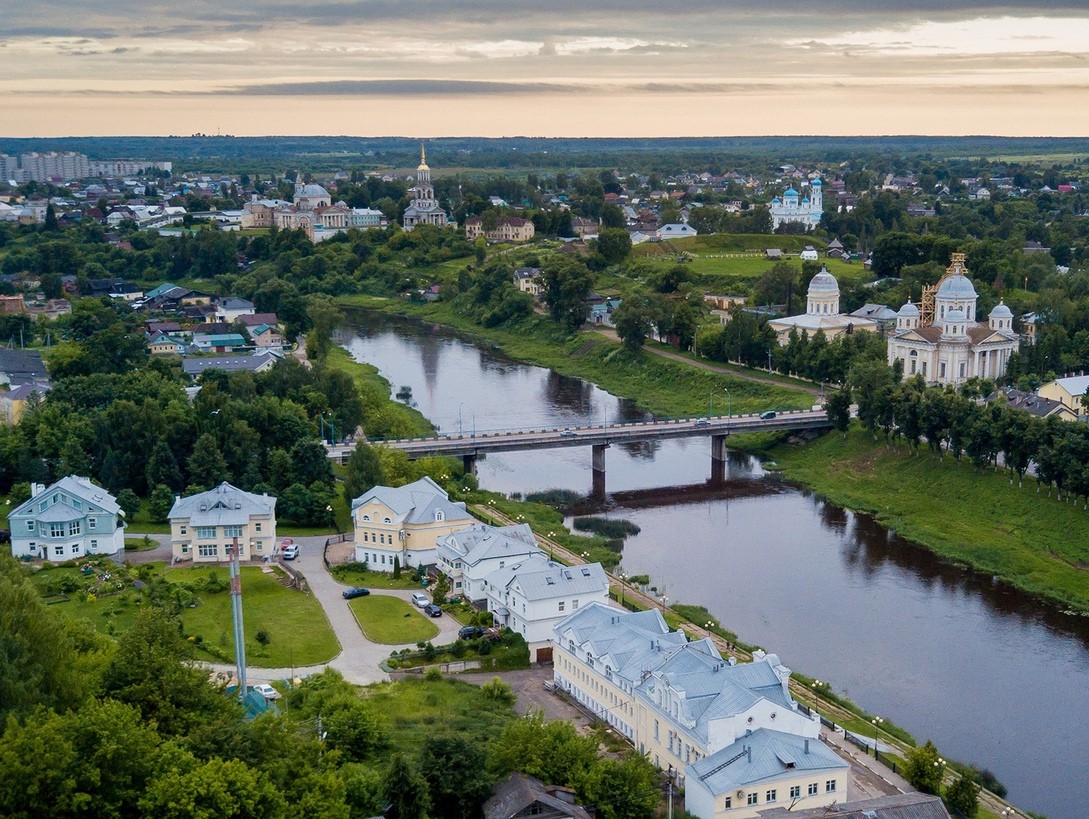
{"x": 236, "y": 619}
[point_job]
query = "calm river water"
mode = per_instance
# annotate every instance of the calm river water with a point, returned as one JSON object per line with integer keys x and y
{"x": 989, "y": 675}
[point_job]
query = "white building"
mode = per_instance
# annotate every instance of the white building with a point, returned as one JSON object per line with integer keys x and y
{"x": 469, "y": 555}
{"x": 821, "y": 313}
{"x": 71, "y": 518}
{"x": 203, "y": 526}
{"x": 313, "y": 211}
{"x": 424, "y": 209}
{"x": 402, "y": 525}
{"x": 794, "y": 207}
{"x": 956, "y": 346}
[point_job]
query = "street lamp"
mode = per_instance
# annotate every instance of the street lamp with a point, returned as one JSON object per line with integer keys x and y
{"x": 816, "y": 686}
{"x": 876, "y": 728}
{"x": 551, "y": 545}
{"x": 769, "y": 360}
{"x": 729, "y": 406}
{"x": 621, "y": 577}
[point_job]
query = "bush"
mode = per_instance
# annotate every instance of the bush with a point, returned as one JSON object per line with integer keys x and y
{"x": 432, "y": 675}
{"x": 262, "y": 637}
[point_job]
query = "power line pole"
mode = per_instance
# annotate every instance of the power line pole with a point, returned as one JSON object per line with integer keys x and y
{"x": 236, "y": 619}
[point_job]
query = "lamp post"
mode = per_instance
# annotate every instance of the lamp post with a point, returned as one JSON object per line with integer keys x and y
{"x": 551, "y": 545}
{"x": 621, "y": 577}
{"x": 769, "y": 360}
{"x": 710, "y": 403}
{"x": 876, "y": 729}
{"x": 729, "y": 406}
{"x": 816, "y": 686}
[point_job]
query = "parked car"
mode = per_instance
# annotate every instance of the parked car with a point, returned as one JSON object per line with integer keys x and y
{"x": 291, "y": 551}
{"x": 470, "y": 632}
{"x": 266, "y": 691}
{"x": 433, "y": 610}
{"x": 420, "y": 600}
{"x": 767, "y": 416}
{"x": 354, "y": 591}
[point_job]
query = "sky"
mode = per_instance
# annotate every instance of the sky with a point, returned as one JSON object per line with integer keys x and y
{"x": 602, "y": 68}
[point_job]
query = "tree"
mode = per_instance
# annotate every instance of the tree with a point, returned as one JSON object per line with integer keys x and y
{"x": 207, "y": 466}
{"x": 218, "y": 788}
{"x": 364, "y": 470}
{"x": 614, "y": 245}
{"x": 923, "y": 768}
{"x": 160, "y": 503}
{"x": 624, "y": 788}
{"x": 633, "y": 321}
{"x": 613, "y": 217}
{"x": 567, "y": 284}
{"x": 962, "y": 797}
{"x": 838, "y": 408}
{"x": 129, "y": 503}
{"x": 405, "y": 790}
{"x": 162, "y": 467}
{"x": 453, "y": 768}
{"x": 310, "y": 463}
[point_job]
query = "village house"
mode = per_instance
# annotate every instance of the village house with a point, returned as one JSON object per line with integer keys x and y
{"x": 69, "y": 519}
{"x": 529, "y": 280}
{"x": 203, "y": 527}
{"x": 1069, "y": 392}
{"x": 401, "y": 526}
{"x": 507, "y": 229}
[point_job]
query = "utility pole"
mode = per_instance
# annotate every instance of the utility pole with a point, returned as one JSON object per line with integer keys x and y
{"x": 670, "y": 787}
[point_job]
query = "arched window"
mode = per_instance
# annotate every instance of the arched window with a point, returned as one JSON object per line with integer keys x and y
{"x": 386, "y": 520}
{"x": 366, "y": 517}
{"x": 440, "y": 515}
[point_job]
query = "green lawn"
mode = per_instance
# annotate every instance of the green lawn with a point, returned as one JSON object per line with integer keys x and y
{"x": 356, "y": 574}
{"x": 1036, "y": 543}
{"x": 390, "y": 620}
{"x": 298, "y": 632}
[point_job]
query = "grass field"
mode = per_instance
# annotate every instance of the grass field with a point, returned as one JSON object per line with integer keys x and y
{"x": 355, "y": 574}
{"x": 391, "y": 621}
{"x": 417, "y": 707}
{"x": 1035, "y": 543}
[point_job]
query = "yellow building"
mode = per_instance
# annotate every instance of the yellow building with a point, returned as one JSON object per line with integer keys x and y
{"x": 507, "y": 229}
{"x": 402, "y": 525}
{"x": 203, "y": 526}
{"x": 1068, "y": 392}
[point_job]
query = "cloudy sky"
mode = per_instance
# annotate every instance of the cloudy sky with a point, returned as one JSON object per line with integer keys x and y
{"x": 548, "y": 67}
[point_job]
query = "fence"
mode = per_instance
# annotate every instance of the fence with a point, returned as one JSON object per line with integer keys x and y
{"x": 329, "y": 541}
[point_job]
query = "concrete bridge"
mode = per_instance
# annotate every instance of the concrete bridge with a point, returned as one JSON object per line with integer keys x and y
{"x": 600, "y": 437}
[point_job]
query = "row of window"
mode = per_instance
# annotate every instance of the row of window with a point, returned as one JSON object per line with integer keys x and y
{"x": 772, "y": 794}
{"x": 377, "y": 559}
{"x": 75, "y": 503}
{"x": 59, "y": 551}
{"x": 209, "y": 532}
{"x": 380, "y": 538}
{"x": 212, "y": 549}
{"x": 70, "y": 529}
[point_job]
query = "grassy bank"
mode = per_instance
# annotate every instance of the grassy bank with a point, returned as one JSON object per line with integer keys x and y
{"x": 1033, "y": 542}
{"x": 381, "y": 412}
{"x": 666, "y": 388}
{"x": 391, "y": 621}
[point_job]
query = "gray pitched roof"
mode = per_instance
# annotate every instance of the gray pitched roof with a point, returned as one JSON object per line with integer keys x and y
{"x": 485, "y": 542}
{"x": 898, "y": 806}
{"x": 759, "y": 757}
{"x": 21, "y": 364}
{"x": 518, "y": 792}
{"x": 539, "y": 578}
{"x": 415, "y": 502}
{"x": 227, "y": 363}
{"x": 225, "y": 505}
{"x": 79, "y": 487}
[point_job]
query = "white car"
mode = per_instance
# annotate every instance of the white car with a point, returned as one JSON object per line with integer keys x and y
{"x": 420, "y": 600}
{"x": 266, "y": 691}
{"x": 291, "y": 551}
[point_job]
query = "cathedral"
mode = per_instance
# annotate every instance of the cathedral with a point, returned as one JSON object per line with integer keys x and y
{"x": 943, "y": 342}
{"x": 424, "y": 208}
{"x": 821, "y": 313}
{"x": 807, "y": 210}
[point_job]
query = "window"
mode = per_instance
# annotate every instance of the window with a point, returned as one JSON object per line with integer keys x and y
{"x": 728, "y": 803}
{"x": 771, "y": 795}
{"x": 30, "y": 526}
{"x": 795, "y": 791}
{"x": 830, "y": 786}
{"x": 232, "y": 531}
{"x": 366, "y": 517}
{"x": 207, "y": 550}
{"x": 574, "y": 604}
{"x": 206, "y": 532}
{"x": 440, "y": 515}
{"x": 77, "y": 505}
{"x": 257, "y": 526}
{"x": 94, "y": 544}
{"x": 92, "y": 522}
{"x": 181, "y": 529}
{"x": 74, "y": 528}
{"x": 753, "y": 798}
{"x": 562, "y": 604}
{"x": 812, "y": 788}
{"x": 386, "y": 520}
{"x": 43, "y": 506}
{"x": 56, "y": 530}
{"x": 656, "y": 729}
{"x": 260, "y": 546}
{"x": 185, "y": 548}
{"x": 75, "y": 548}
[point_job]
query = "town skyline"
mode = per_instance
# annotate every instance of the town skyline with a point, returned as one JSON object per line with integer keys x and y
{"x": 614, "y": 69}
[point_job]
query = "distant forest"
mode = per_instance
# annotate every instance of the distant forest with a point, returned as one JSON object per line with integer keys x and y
{"x": 229, "y": 154}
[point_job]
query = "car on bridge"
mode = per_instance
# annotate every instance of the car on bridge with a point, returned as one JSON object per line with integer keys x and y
{"x": 767, "y": 416}
{"x": 702, "y": 422}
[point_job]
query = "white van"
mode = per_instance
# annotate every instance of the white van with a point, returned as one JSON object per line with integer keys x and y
{"x": 420, "y": 600}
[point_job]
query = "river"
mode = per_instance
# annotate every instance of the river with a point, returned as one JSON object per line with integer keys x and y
{"x": 993, "y": 677}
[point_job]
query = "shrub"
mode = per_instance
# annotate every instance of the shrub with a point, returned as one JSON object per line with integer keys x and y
{"x": 498, "y": 691}
{"x": 432, "y": 675}
{"x": 262, "y": 637}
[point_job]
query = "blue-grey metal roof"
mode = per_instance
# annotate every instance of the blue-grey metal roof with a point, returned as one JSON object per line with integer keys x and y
{"x": 225, "y": 505}
{"x": 94, "y": 497}
{"x": 415, "y": 502}
{"x": 759, "y": 758}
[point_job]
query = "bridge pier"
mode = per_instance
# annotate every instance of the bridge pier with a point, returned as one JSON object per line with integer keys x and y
{"x": 598, "y": 469}
{"x": 718, "y": 458}
{"x": 468, "y": 463}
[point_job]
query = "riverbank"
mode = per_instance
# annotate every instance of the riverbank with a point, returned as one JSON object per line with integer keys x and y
{"x": 665, "y": 387}
{"x": 962, "y": 514}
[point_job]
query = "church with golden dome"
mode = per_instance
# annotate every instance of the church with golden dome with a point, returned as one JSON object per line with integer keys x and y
{"x": 424, "y": 209}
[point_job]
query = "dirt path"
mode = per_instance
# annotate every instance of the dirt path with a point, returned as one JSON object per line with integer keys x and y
{"x": 744, "y": 375}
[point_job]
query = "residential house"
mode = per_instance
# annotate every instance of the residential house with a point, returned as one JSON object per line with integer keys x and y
{"x": 19, "y": 367}
{"x": 13, "y": 403}
{"x": 1069, "y": 392}
{"x": 267, "y": 336}
{"x": 898, "y": 806}
{"x": 71, "y": 518}
{"x": 470, "y": 554}
{"x": 195, "y": 366}
{"x": 230, "y": 309}
{"x": 765, "y": 768}
{"x": 530, "y": 280}
{"x": 675, "y": 231}
{"x": 403, "y": 525}
{"x": 163, "y": 344}
{"x": 204, "y": 526}
{"x": 522, "y": 797}
{"x": 808, "y": 254}
{"x": 1028, "y": 323}
{"x": 585, "y": 228}
{"x": 531, "y": 596}
{"x": 12, "y": 304}
{"x": 217, "y": 342}
{"x": 507, "y": 229}
{"x": 1033, "y": 404}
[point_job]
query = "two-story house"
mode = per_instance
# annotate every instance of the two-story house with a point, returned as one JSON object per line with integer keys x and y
{"x": 71, "y": 518}
{"x": 203, "y": 526}
{"x": 468, "y": 556}
{"x": 402, "y": 525}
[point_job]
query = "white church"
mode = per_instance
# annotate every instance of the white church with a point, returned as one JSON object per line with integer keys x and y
{"x": 794, "y": 207}
{"x": 821, "y": 313}
{"x": 953, "y": 346}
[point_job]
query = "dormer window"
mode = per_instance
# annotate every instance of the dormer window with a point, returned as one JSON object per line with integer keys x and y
{"x": 386, "y": 520}
{"x": 366, "y": 517}
{"x": 440, "y": 515}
